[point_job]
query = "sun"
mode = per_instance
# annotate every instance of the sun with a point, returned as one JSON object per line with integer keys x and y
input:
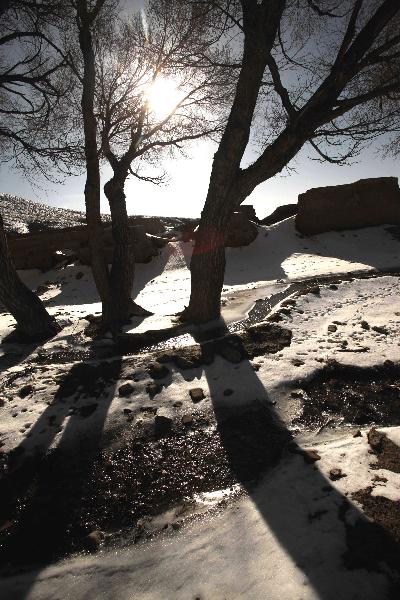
{"x": 163, "y": 96}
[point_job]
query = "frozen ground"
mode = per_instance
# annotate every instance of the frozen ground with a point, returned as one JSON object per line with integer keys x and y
{"x": 290, "y": 537}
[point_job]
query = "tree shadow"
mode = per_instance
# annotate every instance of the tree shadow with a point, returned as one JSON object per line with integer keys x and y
{"x": 306, "y": 514}
{"x": 44, "y": 493}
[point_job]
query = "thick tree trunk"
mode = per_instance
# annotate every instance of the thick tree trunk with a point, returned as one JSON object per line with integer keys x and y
{"x": 207, "y": 265}
{"x": 92, "y": 187}
{"x": 123, "y": 264}
{"x": 33, "y": 321}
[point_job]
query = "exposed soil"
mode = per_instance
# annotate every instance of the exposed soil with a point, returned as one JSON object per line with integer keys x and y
{"x": 352, "y": 395}
{"x": 52, "y": 502}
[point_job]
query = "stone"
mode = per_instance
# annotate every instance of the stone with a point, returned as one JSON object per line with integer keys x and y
{"x": 336, "y": 473}
{"x": 240, "y": 231}
{"x": 162, "y": 425}
{"x": 25, "y": 391}
{"x": 157, "y": 370}
{"x": 380, "y": 329}
{"x": 310, "y": 456}
{"x": 125, "y": 389}
{"x": 332, "y": 328}
{"x": 357, "y": 434}
{"x": 282, "y": 212}
{"x": 196, "y": 394}
{"x": 153, "y": 388}
{"x": 364, "y": 203}
{"x": 228, "y": 392}
{"x": 93, "y": 540}
{"x": 249, "y": 211}
{"x": 187, "y": 419}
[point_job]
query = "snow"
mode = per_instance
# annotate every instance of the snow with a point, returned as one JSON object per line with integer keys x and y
{"x": 284, "y": 539}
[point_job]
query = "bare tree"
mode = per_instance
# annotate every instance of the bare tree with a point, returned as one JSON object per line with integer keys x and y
{"x": 29, "y": 89}
{"x": 323, "y": 73}
{"x": 160, "y": 86}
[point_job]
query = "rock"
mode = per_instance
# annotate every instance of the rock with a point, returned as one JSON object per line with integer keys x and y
{"x": 228, "y": 392}
{"x": 177, "y": 403}
{"x": 332, "y": 328}
{"x": 157, "y": 371}
{"x": 153, "y": 388}
{"x": 25, "y": 391}
{"x": 249, "y": 211}
{"x": 357, "y": 434}
{"x": 297, "y": 393}
{"x": 127, "y": 411}
{"x": 93, "y": 541}
{"x": 162, "y": 425}
{"x": 125, "y": 389}
{"x": 282, "y": 212}
{"x": 240, "y": 231}
{"x": 79, "y": 275}
{"x": 380, "y": 329}
{"x": 375, "y": 439}
{"x": 364, "y": 203}
{"x": 297, "y": 362}
{"x": 187, "y": 419}
{"x": 196, "y": 394}
{"x": 335, "y": 474}
{"x": 333, "y": 286}
{"x": 310, "y": 456}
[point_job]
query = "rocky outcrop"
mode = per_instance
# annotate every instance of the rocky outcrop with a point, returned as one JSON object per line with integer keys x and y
{"x": 282, "y": 212}
{"x": 44, "y": 249}
{"x": 365, "y": 203}
{"x": 240, "y": 231}
{"x": 249, "y": 211}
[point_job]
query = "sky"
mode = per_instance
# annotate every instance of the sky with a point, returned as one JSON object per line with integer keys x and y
{"x": 185, "y": 192}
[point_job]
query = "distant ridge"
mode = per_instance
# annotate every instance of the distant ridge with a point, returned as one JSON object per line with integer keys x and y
{"x": 24, "y": 216}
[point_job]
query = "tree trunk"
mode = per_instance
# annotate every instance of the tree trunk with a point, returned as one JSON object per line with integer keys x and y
{"x": 207, "y": 265}
{"x": 92, "y": 187}
{"x": 123, "y": 264}
{"x": 33, "y": 321}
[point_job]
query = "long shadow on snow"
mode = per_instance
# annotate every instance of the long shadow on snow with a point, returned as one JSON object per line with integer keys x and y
{"x": 50, "y": 497}
{"x": 306, "y": 515}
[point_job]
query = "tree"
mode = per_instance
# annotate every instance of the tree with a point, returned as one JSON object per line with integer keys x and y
{"x": 323, "y": 73}
{"x": 29, "y": 89}
{"x": 33, "y": 321}
{"x": 157, "y": 90}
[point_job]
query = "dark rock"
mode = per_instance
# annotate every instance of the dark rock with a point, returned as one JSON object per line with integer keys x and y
{"x": 153, "y": 389}
{"x": 162, "y": 425}
{"x": 357, "y": 434}
{"x": 228, "y": 392}
{"x": 336, "y": 473}
{"x": 25, "y": 391}
{"x": 282, "y": 212}
{"x": 380, "y": 329}
{"x": 240, "y": 231}
{"x": 92, "y": 542}
{"x": 79, "y": 275}
{"x": 310, "y": 456}
{"x": 196, "y": 394}
{"x": 187, "y": 419}
{"x": 157, "y": 370}
{"x": 332, "y": 328}
{"x": 364, "y": 203}
{"x": 125, "y": 389}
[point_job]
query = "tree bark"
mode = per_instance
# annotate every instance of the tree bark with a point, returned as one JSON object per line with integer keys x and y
{"x": 33, "y": 321}
{"x": 123, "y": 264}
{"x": 92, "y": 186}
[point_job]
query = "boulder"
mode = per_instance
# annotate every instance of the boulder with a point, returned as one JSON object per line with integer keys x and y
{"x": 240, "y": 231}
{"x": 282, "y": 212}
{"x": 44, "y": 249}
{"x": 364, "y": 203}
{"x": 249, "y": 211}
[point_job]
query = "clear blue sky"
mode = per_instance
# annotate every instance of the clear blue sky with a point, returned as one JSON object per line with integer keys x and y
{"x": 185, "y": 193}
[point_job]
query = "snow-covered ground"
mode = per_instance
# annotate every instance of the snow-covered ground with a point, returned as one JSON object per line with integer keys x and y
{"x": 287, "y": 538}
